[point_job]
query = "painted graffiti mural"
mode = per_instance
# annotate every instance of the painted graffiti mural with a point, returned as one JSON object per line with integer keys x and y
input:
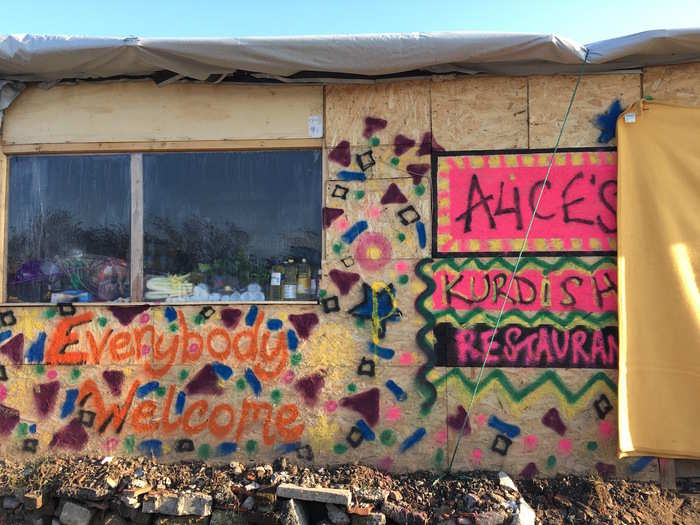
{"x": 484, "y": 201}
{"x": 383, "y": 368}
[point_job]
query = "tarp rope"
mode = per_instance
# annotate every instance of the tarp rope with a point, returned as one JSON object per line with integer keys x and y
{"x": 515, "y": 268}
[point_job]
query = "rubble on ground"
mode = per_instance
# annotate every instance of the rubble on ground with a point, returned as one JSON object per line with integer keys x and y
{"x": 116, "y": 491}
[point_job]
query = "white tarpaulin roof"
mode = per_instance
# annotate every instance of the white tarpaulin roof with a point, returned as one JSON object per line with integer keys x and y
{"x": 50, "y": 58}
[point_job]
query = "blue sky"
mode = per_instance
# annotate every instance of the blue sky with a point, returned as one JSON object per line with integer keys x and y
{"x": 584, "y": 21}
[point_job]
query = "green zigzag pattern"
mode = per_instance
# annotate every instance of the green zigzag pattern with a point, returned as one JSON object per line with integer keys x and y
{"x": 518, "y": 395}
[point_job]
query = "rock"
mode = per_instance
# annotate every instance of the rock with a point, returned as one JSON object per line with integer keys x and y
{"x": 395, "y": 495}
{"x": 249, "y": 503}
{"x": 112, "y": 482}
{"x": 293, "y": 513}
{"x": 373, "y": 518}
{"x": 238, "y": 468}
{"x": 370, "y": 495}
{"x": 114, "y": 519}
{"x": 490, "y": 518}
{"x": 74, "y": 514}
{"x": 505, "y": 481}
{"x": 10, "y": 503}
{"x": 227, "y": 517}
{"x": 322, "y": 495}
{"x": 404, "y": 516}
{"x": 130, "y": 499}
{"x": 196, "y": 503}
{"x": 182, "y": 520}
{"x": 171, "y": 504}
{"x": 33, "y": 500}
{"x": 471, "y": 501}
{"x": 250, "y": 487}
{"x": 525, "y": 514}
{"x": 336, "y": 515}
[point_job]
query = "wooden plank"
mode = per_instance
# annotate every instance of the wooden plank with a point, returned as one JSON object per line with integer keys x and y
{"x": 405, "y": 106}
{"x": 136, "y": 268}
{"x": 679, "y": 84}
{"x": 142, "y": 111}
{"x": 4, "y": 210}
{"x": 549, "y": 98}
{"x": 667, "y": 473}
{"x": 189, "y": 145}
{"x": 480, "y": 113}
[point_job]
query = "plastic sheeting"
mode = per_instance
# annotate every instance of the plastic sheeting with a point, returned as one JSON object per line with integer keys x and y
{"x": 51, "y": 58}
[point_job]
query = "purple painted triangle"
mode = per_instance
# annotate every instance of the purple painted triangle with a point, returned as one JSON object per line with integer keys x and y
{"x": 114, "y": 380}
{"x": 45, "y": 397}
{"x": 393, "y": 195}
{"x": 14, "y": 349}
{"x": 303, "y": 323}
{"x": 341, "y": 154}
{"x": 9, "y": 417}
{"x": 428, "y": 144}
{"x": 330, "y": 214}
{"x": 72, "y": 436}
{"x": 126, "y": 314}
{"x": 205, "y": 382}
{"x": 230, "y": 317}
{"x": 366, "y": 403}
{"x": 372, "y": 125}
{"x": 310, "y": 386}
{"x": 456, "y": 421}
{"x": 402, "y": 144}
{"x": 343, "y": 280}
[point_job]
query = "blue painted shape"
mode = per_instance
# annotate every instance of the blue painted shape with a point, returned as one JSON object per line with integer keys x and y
{"x": 253, "y": 381}
{"x": 251, "y": 316}
{"x": 5, "y": 335}
{"x": 606, "y": 122}
{"x": 641, "y": 464}
{"x": 384, "y": 353}
{"x": 354, "y": 230}
{"x": 395, "y": 389}
{"x": 286, "y": 448}
{"x": 69, "y": 403}
{"x": 226, "y": 448}
{"x": 504, "y": 428}
{"x": 292, "y": 340}
{"x": 274, "y": 324}
{"x": 146, "y": 389}
{"x": 35, "y": 354}
{"x": 352, "y": 175}
{"x": 223, "y": 371}
{"x": 32, "y": 428}
{"x": 412, "y": 440}
{"x": 365, "y": 430}
{"x": 151, "y": 446}
{"x": 420, "y": 229}
{"x": 170, "y": 314}
{"x": 180, "y": 403}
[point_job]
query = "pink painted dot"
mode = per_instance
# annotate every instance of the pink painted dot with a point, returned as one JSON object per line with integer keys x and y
{"x": 386, "y": 463}
{"x": 565, "y": 446}
{"x": 394, "y": 413}
{"x": 144, "y": 318}
{"x": 331, "y": 406}
{"x": 402, "y": 267}
{"x": 406, "y": 358}
{"x": 288, "y": 377}
{"x": 374, "y": 211}
{"x": 3, "y": 393}
{"x": 110, "y": 444}
{"x": 530, "y": 443}
{"x": 51, "y": 374}
{"x": 476, "y": 456}
{"x": 145, "y": 349}
{"x": 606, "y": 429}
{"x": 441, "y": 437}
{"x": 194, "y": 348}
{"x": 481, "y": 419}
{"x": 342, "y": 223}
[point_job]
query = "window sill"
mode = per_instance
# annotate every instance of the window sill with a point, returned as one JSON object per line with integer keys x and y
{"x": 198, "y": 303}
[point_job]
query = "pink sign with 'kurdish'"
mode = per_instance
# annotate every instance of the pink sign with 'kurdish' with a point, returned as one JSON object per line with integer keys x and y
{"x": 485, "y": 202}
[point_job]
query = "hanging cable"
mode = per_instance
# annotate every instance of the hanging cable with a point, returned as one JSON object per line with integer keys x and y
{"x": 515, "y": 268}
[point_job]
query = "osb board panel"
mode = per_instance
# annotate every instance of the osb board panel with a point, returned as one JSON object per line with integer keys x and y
{"x": 379, "y": 162}
{"x": 376, "y": 221}
{"x": 549, "y": 98}
{"x": 538, "y": 421}
{"x": 142, "y": 111}
{"x": 393, "y": 108}
{"x": 480, "y": 113}
{"x": 679, "y": 84}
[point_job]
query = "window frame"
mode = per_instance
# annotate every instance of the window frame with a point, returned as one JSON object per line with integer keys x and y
{"x": 135, "y": 151}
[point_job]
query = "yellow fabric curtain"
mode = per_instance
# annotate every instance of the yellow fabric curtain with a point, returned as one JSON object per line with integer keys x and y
{"x": 659, "y": 260}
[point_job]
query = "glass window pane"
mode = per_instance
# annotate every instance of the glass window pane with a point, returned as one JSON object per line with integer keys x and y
{"x": 69, "y": 228}
{"x": 232, "y": 226}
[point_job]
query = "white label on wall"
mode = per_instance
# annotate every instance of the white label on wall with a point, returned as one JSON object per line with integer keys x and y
{"x": 315, "y": 126}
{"x": 275, "y": 278}
{"x": 630, "y": 118}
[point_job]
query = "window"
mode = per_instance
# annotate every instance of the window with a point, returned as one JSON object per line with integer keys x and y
{"x": 220, "y": 226}
{"x": 68, "y": 228}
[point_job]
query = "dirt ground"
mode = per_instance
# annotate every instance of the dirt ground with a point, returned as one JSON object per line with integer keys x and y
{"x": 560, "y": 500}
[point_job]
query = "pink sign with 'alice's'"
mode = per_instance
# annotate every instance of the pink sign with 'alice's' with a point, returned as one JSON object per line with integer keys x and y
{"x": 485, "y": 200}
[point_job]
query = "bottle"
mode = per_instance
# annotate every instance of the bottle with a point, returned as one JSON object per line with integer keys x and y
{"x": 276, "y": 281}
{"x": 304, "y": 280}
{"x": 289, "y": 290}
